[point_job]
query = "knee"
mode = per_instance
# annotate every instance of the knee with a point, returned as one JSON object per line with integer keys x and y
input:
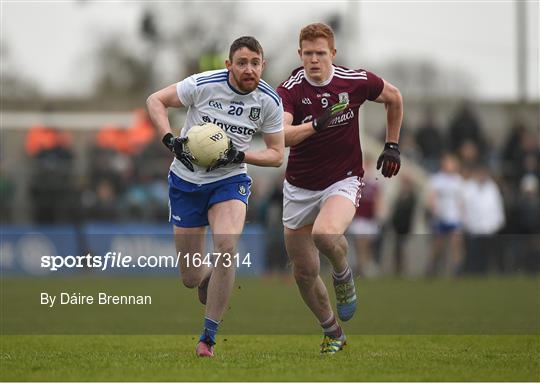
{"x": 323, "y": 240}
{"x": 305, "y": 275}
{"x": 225, "y": 245}
{"x": 190, "y": 281}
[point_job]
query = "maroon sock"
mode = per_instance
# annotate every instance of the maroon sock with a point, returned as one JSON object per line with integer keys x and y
{"x": 342, "y": 276}
{"x": 331, "y": 327}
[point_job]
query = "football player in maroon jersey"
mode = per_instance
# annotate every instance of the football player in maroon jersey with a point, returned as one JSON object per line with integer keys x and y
{"x": 324, "y": 173}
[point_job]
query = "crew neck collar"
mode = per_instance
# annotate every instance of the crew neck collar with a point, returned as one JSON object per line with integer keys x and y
{"x": 324, "y": 83}
{"x": 233, "y": 88}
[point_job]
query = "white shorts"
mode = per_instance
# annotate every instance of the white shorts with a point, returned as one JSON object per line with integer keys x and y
{"x": 301, "y": 206}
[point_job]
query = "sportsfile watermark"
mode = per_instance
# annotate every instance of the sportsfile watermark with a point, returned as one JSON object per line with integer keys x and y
{"x": 117, "y": 260}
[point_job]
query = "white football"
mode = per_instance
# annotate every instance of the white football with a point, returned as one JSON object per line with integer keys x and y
{"x": 207, "y": 143}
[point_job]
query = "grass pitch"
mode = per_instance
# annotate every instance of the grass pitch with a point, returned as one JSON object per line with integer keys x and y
{"x": 427, "y": 330}
{"x": 270, "y": 358}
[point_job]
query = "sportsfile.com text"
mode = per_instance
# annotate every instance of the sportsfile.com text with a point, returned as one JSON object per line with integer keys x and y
{"x": 118, "y": 260}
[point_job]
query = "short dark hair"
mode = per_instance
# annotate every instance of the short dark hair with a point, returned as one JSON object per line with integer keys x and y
{"x": 248, "y": 42}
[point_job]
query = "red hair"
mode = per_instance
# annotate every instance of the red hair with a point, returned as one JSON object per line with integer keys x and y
{"x": 313, "y": 31}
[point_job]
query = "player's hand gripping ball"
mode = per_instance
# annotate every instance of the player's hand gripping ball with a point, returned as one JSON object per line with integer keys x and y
{"x": 231, "y": 156}
{"x": 177, "y": 145}
{"x": 207, "y": 143}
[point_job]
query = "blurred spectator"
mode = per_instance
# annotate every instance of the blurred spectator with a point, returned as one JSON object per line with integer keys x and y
{"x": 521, "y": 171}
{"x": 512, "y": 153}
{"x": 107, "y": 164}
{"x": 525, "y": 247}
{"x": 141, "y": 134}
{"x": 463, "y": 127}
{"x": 445, "y": 205}
{"x": 365, "y": 226}
{"x": 40, "y": 139}
{"x": 130, "y": 162}
{"x": 136, "y": 198}
{"x": 112, "y": 137}
{"x": 145, "y": 197}
{"x": 126, "y": 179}
{"x": 155, "y": 159}
{"x": 482, "y": 221}
{"x": 272, "y": 212}
{"x": 402, "y": 218}
{"x": 408, "y": 147}
{"x": 52, "y": 188}
{"x": 430, "y": 142}
{"x": 101, "y": 205}
{"x": 521, "y": 154}
{"x": 158, "y": 193}
{"x": 469, "y": 158}
{"x": 531, "y": 158}
{"x": 528, "y": 207}
{"x": 130, "y": 141}
{"x": 7, "y": 192}
{"x": 255, "y": 213}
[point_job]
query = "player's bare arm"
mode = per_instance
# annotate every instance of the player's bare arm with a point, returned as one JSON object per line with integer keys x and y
{"x": 389, "y": 161}
{"x": 393, "y": 102}
{"x": 272, "y": 156}
{"x": 157, "y": 104}
{"x": 298, "y": 133}
{"x": 295, "y": 134}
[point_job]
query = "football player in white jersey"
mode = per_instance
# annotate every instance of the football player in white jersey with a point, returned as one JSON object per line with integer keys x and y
{"x": 241, "y": 103}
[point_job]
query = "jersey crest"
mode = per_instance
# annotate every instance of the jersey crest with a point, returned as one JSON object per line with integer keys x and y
{"x": 210, "y": 98}
{"x": 254, "y": 113}
{"x": 344, "y": 97}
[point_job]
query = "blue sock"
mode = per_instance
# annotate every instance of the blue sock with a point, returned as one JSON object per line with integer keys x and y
{"x": 209, "y": 332}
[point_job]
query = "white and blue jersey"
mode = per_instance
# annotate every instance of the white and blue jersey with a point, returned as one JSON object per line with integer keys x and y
{"x": 210, "y": 98}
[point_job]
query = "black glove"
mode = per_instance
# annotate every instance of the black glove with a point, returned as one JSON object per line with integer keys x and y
{"x": 231, "y": 155}
{"x": 322, "y": 121}
{"x": 389, "y": 160}
{"x": 177, "y": 145}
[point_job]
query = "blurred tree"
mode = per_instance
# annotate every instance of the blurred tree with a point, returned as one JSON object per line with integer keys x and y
{"x": 168, "y": 44}
{"x": 190, "y": 33}
{"x": 121, "y": 72}
{"x": 14, "y": 87}
{"x": 426, "y": 80}
{"x": 334, "y": 22}
{"x": 148, "y": 26}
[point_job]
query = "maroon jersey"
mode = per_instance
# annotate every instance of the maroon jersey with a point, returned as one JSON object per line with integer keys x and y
{"x": 334, "y": 153}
